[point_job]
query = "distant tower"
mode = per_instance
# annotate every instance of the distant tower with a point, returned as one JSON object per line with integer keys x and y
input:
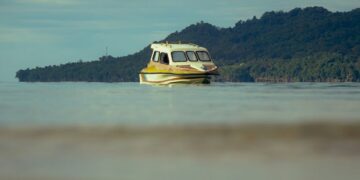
{"x": 106, "y": 51}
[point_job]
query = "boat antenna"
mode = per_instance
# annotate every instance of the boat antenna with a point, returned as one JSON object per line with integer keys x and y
{"x": 106, "y": 51}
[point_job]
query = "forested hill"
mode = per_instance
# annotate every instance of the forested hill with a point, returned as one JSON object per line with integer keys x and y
{"x": 310, "y": 44}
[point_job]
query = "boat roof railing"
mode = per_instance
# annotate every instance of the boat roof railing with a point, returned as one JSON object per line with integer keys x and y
{"x": 174, "y": 42}
{"x": 174, "y": 45}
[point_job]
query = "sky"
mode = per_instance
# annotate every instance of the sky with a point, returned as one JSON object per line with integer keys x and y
{"x": 48, "y": 32}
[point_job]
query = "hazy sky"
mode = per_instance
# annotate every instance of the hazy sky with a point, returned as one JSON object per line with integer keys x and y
{"x": 46, "y": 32}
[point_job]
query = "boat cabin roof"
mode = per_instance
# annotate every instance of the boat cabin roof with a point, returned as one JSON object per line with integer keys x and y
{"x": 170, "y": 47}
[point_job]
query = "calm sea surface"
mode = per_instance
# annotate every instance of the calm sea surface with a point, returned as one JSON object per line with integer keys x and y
{"x": 48, "y": 104}
{"x": 44, "y": 133}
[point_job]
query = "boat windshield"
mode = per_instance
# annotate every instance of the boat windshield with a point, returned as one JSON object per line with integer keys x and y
{"x": 156, "y": 56}
{"x": 191, "y": 55}
{"x": 178, "y": 56}
{"x": 203, "y": 55}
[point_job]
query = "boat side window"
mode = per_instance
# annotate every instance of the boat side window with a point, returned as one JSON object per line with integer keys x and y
{"x": 178, "y": 56}
{"x": 164, "y": 58}
{"x": 191, "y": 55}
{"x": 156, "y": 56}
{"x": 203, "y": 55}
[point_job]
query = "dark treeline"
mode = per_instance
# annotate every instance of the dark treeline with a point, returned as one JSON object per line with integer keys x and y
{"x": 310, "y": 44}
{"x": 106, "y": 69}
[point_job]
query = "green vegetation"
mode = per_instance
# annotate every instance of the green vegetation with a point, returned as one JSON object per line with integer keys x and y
{"x": 106, "y": 69}
{"x": 310, "y": 44}
{"x": 320, "y": 67}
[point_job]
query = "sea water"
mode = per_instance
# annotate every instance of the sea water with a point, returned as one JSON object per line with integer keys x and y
{"x": 72, "y": 103}
{"x": 81, "y": 131}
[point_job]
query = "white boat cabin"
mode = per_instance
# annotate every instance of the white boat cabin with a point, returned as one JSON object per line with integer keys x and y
{"x": 180, "y": 54}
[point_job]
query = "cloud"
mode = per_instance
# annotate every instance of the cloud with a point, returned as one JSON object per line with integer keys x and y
{"x": 19, "y": 35}
{"x": 48, "y": 2}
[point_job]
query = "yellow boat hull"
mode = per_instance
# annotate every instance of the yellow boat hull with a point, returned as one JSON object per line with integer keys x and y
{"x": 168, "y": 78}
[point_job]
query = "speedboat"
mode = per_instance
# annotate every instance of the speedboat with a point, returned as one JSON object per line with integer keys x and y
{"x": 178, "y": 63}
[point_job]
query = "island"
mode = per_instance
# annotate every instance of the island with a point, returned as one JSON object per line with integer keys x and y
{"x": 309, "y": 44}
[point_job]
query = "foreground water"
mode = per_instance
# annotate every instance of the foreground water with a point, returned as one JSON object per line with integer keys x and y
{"x": 47, "y": 104}
{"x": 219, "y": 131}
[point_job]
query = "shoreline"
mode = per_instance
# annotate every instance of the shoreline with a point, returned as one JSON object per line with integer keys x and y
{"x": 261, "y": 151}
{"x": 258, "y": 130}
